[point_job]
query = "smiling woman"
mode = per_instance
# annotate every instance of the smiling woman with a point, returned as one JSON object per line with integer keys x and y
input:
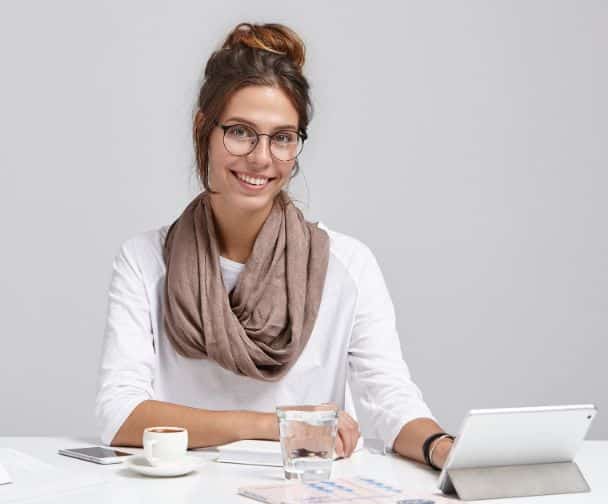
{"x": 241, "y": 304}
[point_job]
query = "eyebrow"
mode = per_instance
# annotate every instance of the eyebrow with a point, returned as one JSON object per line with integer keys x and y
{"x": 243, "y": 120}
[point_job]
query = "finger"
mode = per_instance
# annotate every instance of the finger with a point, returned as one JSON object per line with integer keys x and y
{"x": 355, "y": 439}
{"x": 350, "y": 421}
{"x": 347, "y": 436}
{"x": 339, "y": 447}
{"x": 350, "y": 432}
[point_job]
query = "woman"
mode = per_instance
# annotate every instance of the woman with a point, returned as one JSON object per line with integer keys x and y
{"x": 242, "y": 305}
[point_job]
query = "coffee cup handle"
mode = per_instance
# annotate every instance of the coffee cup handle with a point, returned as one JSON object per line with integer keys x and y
{"x": 149, "y": 451}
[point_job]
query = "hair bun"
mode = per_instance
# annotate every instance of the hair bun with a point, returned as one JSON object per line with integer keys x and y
{"x": 272, "y": 37}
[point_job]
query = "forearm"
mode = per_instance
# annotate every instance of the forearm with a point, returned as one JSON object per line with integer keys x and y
{"x": 412, "y": 436}
{"x": 205, "y": 427}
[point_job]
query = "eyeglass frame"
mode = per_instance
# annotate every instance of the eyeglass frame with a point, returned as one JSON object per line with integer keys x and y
{"x": 224, "y": 127}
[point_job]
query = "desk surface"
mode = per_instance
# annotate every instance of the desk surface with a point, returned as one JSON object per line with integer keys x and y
{"x": 217, "y": 483}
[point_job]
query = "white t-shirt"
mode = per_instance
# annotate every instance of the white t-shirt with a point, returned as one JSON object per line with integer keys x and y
{"x": 354, "y": 346}
{"x": 230, "y": 272}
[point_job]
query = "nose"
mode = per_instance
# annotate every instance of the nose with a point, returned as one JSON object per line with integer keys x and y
{"x": 260, "y": 155}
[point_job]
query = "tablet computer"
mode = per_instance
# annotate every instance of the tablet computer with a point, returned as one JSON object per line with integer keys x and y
{"x": 516, "y": 436}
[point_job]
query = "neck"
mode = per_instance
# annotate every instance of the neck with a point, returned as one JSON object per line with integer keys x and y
{"x": 237, "y": 229}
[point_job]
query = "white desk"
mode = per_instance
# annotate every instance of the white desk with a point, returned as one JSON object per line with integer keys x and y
{"x": 217, "y": 483}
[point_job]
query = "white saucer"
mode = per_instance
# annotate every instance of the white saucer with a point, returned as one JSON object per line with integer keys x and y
{"x": 185, "y": 465}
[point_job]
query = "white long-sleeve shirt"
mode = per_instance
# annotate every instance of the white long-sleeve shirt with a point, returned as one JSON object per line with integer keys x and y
{"x": 354, "y": 346}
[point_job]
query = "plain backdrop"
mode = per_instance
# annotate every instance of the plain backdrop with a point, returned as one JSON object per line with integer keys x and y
{"x": 465, "y": 142}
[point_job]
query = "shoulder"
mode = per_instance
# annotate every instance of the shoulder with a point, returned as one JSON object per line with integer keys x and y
{"x": 350, "y": 252}
{"x": 144, "y": 251}
{"x": 147, "y": 241}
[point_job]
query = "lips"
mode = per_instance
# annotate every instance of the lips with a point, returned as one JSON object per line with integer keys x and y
{"x": 249, "y": 186}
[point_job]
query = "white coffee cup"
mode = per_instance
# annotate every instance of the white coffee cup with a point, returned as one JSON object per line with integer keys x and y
{"x": 164, "y": 445}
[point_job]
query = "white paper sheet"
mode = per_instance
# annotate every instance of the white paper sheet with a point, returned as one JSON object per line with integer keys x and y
{"x": 34, "y": 478}
{"x": 5, "y": 478}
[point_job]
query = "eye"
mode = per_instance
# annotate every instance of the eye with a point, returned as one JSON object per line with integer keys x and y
{"x": 240, "y": 132}
{"x": 285, "y": 137}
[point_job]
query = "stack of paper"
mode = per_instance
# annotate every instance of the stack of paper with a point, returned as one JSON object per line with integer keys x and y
{"x": 264, "y": 453}
{"x": 251, "y": 452}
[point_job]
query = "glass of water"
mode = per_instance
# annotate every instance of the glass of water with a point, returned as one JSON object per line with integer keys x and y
{"x": 308, "y": 437}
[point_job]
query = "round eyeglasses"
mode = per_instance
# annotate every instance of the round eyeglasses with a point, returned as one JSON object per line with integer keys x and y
{"x": 241, "y": 140}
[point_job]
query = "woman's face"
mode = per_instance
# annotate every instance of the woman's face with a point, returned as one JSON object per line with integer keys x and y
{"x": 267, "y": 110}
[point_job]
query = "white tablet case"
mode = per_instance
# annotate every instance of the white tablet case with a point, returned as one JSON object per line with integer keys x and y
{"x": 518, "y": 452}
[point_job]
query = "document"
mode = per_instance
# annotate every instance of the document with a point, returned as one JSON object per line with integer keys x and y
{"x": 341, "y": 490}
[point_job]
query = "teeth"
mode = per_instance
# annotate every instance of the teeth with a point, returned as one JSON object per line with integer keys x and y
{"x": 251, "y": 180}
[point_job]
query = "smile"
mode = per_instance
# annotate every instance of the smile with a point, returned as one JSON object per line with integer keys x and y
{"x": 252, "y": 182}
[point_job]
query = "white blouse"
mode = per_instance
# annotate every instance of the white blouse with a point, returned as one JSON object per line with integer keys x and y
{"x": 354, "y": 346}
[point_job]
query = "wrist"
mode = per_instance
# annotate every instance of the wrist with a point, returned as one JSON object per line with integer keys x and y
{"x": 440, "y": 451}
{"x": 253, "y": 425}
{"x": 268, "y": 426}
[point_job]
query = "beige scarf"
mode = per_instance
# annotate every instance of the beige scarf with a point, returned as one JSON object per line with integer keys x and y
{"x": 261, "y": 329}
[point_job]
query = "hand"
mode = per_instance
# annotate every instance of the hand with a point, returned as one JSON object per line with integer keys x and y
{"x": 348, "y": 435}
{"x": 346, "y": 439}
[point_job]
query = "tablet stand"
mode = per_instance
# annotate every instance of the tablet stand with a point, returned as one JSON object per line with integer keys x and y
{"x": 517, "y": 480}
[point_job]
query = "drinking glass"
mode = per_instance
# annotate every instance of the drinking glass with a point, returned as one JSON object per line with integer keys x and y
{"x": 308, "y": 437}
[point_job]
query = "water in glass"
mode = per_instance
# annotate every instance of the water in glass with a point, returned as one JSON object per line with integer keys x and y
{"x": 308, "y": 435}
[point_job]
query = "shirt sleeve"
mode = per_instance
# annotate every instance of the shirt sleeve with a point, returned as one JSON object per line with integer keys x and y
{"x": 128, "y": 358}
{"x": 380, "y": 379}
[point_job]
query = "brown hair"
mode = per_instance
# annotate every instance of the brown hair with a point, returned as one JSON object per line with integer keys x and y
{"x": 258, "y": 55}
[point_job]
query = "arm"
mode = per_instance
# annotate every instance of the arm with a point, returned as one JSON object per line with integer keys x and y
{"x": 205, "y": 427}
{"x": 390, "y": 400}
{"x": 413, "y": 434}
{"x": 125, "y": 402}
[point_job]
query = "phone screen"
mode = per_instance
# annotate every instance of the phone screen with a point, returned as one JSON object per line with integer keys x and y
{"x": 100, "y": 452}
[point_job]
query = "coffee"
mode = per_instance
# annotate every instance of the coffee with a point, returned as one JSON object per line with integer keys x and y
{"x": 161, "y": 448}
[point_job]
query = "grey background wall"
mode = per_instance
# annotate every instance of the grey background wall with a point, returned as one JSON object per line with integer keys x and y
{"x": 464, "y": 142}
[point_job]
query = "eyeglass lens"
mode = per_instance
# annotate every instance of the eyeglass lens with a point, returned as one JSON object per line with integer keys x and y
{"x": 241, "y": 140}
